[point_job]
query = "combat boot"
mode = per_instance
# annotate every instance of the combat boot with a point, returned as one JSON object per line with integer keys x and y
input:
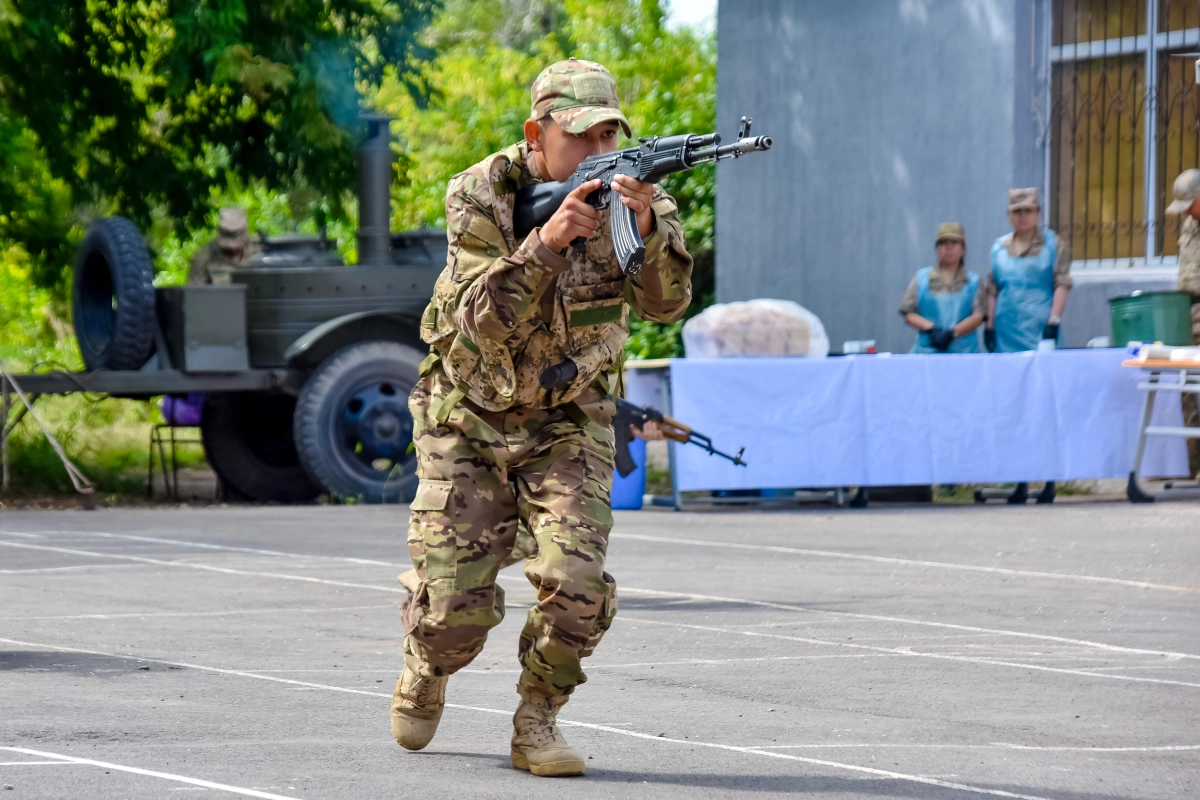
{"x": 417, "y": 705}
{"x": 538, "y": 745}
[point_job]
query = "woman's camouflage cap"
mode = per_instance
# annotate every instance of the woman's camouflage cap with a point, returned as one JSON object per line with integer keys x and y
{"x": 577, "y": 95}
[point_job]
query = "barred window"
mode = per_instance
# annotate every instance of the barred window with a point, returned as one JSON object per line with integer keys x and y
{"x": 1124, "y": 122}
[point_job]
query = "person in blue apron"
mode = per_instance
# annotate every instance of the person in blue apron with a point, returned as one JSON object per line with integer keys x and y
{"x": 944, "y": 303}
{"x": 1027, "y": 292}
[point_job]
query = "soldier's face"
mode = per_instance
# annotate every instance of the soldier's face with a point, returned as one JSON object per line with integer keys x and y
{"x": 559, "y": 152}
{"x": 1194, "y": 209}
{"x": 950, "y": 251}
{"x": 1023, "y": 220}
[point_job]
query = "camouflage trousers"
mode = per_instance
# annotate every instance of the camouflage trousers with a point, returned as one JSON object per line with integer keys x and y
{"x": 482, "y": 474}
{"x": 1191, "y": 413}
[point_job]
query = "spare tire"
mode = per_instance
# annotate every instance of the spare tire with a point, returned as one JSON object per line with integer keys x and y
{"x": 113, "y": 296}
{"x": 248, "y": 443}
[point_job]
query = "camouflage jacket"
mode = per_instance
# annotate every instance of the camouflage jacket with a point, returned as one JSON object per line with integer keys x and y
{"x": 504, "y": 310}
{"x": 210, "y": 265}
{"x": 1189, "y": 257}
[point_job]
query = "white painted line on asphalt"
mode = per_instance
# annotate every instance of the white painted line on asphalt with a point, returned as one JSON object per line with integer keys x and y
{"x": 204, "y": 567}
{"x": 152, "y": 774}
{"x": 228, "y": 548}
{"x": 22, "y": 534}
{"x": 906, "y": 561}
{"x": 733, "y": 600}
{"x": 904, "y": 651}
{"x": 881, "y": 773}
{"x": 65, "y": 569}
{"x": 37, "y": 763}
{"x": 1170, "y": 748}
{"x": 906, "y": 621}
{"x": 236, "y": 612}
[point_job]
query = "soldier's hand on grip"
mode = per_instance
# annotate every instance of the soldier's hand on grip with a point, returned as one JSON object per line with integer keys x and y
{"x": 573, "y": 218}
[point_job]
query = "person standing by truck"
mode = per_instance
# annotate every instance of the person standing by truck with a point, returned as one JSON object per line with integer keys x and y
{"x": 215, "y": 262}
{"x": 494, "y": 448}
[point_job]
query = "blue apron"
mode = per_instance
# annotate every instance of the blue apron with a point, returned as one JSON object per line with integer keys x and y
{"x": 945, "y": 310}
{"x": 1025, "y": 289}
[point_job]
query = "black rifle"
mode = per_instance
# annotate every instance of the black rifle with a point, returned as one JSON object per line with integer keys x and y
{"x": 652, "y": 160}
{"x": 637, "y": 416}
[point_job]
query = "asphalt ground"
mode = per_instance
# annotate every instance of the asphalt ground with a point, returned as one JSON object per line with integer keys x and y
{"x": 935, "y": 652}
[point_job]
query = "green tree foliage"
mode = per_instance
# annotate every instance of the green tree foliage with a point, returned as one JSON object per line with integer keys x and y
{"x": 144, "y": 107}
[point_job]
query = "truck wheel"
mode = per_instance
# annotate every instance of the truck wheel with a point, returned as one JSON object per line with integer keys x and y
{"x": 113, "y": 296}
{"x": 353, "y": 430}
{"x": 248, "y": 442}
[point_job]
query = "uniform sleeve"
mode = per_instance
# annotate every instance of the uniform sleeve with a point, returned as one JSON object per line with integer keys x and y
{"x": 987, "y": 285}
{"x": 1062, "y": 266}
{"x": 494, "y": 290}
{"x": 909, "y": 304}
{"x": 979, "y": 302}
{"x": 662, "y": 290}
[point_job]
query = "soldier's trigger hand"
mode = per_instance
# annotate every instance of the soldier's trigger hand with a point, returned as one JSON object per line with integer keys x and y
{"x": 574, "y": 218}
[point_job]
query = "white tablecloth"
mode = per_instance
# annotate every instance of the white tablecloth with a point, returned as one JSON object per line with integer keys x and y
{"x": 917, "y": 419}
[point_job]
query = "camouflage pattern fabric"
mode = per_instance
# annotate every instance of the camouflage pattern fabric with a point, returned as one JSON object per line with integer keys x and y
{"x": 211, "y": 265}
{"x": 1189, "y": 281}
{"x": 504, "y": 310}
{"x": 482, "y": 474}
{"x": 577, "y": 95}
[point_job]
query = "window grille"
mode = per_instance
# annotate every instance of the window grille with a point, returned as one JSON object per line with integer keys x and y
{"x": 1124, "y": 122}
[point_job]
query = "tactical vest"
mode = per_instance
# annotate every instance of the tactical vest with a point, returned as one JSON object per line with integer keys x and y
{"x": 583, "y": 317}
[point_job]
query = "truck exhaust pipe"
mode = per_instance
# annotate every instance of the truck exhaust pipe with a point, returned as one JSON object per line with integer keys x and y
{"x": 375, "y": 192}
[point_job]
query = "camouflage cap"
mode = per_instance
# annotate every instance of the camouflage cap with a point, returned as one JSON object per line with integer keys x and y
{"x": 1023, "y": 198}
{"x": 1187, "y": 189}
{"x": 231, "y": 228}
{"x": 951, "y": 230}
{"x": 577, "y": 95}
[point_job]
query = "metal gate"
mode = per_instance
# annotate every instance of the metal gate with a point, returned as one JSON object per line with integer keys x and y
{"x": 1124, "y": 122}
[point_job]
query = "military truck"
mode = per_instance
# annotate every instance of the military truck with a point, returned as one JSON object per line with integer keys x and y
{"x": 305, "y": 362}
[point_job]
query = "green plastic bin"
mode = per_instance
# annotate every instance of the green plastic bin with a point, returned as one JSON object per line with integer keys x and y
{"x": 1152, "y": 317}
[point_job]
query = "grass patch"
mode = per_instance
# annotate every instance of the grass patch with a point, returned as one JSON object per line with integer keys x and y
{"x": 106, "y": 438}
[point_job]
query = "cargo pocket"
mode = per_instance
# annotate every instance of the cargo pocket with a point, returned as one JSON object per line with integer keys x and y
{"x": 414, "y": 607}
{"x": 608, "y": 612}
{"x": 461, "y": 360}
{"x": 432, "y": 513}
{"x": 588, "y": 319}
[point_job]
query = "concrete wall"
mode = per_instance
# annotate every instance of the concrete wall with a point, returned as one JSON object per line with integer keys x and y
{"x": 888, "y": 118}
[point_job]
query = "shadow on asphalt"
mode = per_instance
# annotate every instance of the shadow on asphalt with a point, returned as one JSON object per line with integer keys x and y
{"x": 70, "y": 663}
{"x": 795, "y": 784}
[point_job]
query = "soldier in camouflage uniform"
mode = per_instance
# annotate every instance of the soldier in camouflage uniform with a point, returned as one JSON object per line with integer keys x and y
{"x": 231, "y": 249}
{"x": 494, "y": 449}
{"x": 1187, "y": 203}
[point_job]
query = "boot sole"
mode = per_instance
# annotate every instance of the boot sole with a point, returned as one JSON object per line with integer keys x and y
{"x": 555, "y": 769}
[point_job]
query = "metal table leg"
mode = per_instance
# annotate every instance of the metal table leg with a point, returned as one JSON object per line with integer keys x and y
{"x": 1133, "y": 491}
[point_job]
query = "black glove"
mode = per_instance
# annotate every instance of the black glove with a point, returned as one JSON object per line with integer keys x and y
{"x": 989, "y": 339}
{"x": 940, "y": 339}
{"x": 1050, "y": 331}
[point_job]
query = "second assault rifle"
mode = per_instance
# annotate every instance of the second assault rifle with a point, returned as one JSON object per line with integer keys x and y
{"x": 637, "y": 416}
{"x": 653, "y": 159}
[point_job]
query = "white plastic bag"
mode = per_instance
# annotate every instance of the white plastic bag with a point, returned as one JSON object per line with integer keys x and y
{"x": 755, "y": 328}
